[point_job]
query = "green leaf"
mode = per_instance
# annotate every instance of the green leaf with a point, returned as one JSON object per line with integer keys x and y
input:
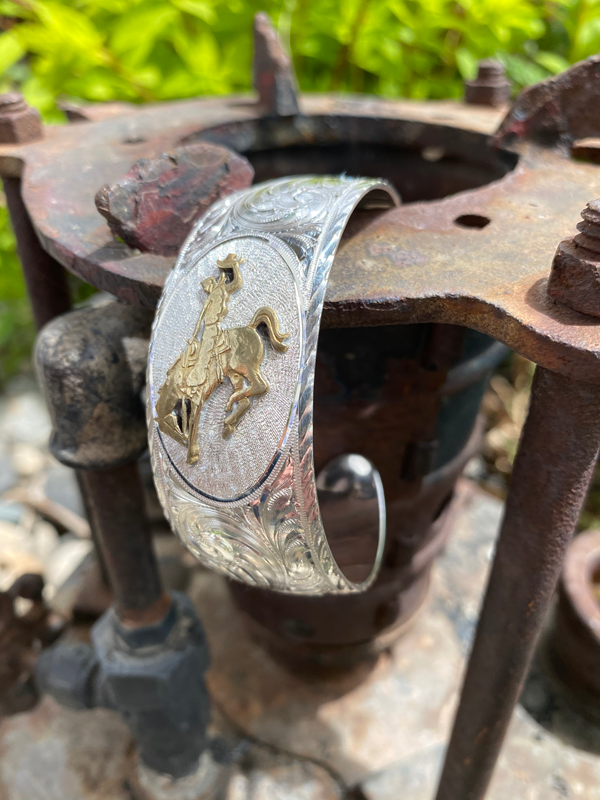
{"x": 139, "y": 28}
{"x": 197, "y": 8}
{"x": 75, "y": 29}
{"x": 588, "y": 38}
{"x": 466, "y": 63}
{"x": 11, "y": 50}
{"x": 552, "y": 62}
{"x": 9, "y": 9}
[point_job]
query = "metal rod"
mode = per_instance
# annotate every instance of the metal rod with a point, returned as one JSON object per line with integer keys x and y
{"x": 552, "y": 471}
{"x": 45, "y": 278}
{"x": 116, "y": 504}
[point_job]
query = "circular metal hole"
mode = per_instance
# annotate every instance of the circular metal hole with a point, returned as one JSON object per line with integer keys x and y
{"x": 426, "y": 162}
{"x": 472, "y": 221}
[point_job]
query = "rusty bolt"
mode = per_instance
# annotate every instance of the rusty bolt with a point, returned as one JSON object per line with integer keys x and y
{"x": 490, "y": 87}
{"x": 19, "y": 123}
{"x": 575, "y": 276}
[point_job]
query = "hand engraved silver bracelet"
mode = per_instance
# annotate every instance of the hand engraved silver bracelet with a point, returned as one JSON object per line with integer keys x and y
{"x": 230, "y": 385}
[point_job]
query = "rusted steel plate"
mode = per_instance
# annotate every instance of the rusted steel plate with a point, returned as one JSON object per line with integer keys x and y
{"x": 64, "y": 172}
{"x": 416, "y": 264}
{"x": 412, "y": 264}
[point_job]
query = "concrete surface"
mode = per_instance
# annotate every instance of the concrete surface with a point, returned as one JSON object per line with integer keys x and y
{"x": 380, "y": 730}
{"x": 375, "y": 734}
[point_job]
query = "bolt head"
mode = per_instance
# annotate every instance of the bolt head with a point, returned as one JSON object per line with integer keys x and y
{"x": 489, "y": 68}
{"x": 591, "y": 212}
{"x": 12, "y": 102}
{"x": 575, "y": 278}
{"x": 490, "y": 87}
{"x": 19, "y": 123}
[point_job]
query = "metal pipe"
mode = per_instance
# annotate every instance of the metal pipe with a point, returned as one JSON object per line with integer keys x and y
{"x": 116, "y": 505}
{"x": 468, "y": 372}
{"x": 45, "y": 278}
{"x": 557, "y": 453}
{"x": 91, "y": 365}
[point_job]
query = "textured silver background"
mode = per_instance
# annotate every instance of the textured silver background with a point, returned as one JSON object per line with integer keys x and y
{"x": 229, "y": 468}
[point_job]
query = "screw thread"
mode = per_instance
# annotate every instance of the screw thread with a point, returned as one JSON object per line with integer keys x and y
{"x": 489, "y": 70}
{"x": 589, "y": 229}
{"x": 12, "y": 103}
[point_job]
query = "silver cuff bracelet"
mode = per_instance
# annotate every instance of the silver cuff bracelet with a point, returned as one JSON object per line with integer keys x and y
{"x": 230, "y": 385}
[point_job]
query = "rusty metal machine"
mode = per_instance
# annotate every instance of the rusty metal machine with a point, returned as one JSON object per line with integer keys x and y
{"x": 423, "y": 302}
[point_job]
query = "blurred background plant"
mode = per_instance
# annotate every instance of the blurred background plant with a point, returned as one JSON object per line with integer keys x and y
{"x": 152, "y": 50}
{"x": 148, "y": 50}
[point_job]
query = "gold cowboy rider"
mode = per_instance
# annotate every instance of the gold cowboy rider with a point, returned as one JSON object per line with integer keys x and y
{"x": 201, "y": 361}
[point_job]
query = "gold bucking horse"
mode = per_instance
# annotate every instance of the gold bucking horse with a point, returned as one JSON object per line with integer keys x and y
{"x": 234, "y": 353}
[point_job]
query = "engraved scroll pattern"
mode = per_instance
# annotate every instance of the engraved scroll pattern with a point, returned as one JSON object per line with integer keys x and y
{"x": 276, "y": 540}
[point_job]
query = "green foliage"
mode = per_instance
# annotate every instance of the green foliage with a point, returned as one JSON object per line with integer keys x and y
{"x": 152, "y": 50}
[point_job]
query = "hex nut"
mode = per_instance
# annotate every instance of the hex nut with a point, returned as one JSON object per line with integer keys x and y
{"x": 575, "y": 276}
{"x": 19, "y": 123}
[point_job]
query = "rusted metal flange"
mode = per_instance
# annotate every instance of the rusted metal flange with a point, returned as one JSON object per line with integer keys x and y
{"x": 478, "y": 258}
{"x": 22, "y": 636}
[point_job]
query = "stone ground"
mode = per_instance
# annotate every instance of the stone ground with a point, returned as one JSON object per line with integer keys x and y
{"x": 375, "y": 734}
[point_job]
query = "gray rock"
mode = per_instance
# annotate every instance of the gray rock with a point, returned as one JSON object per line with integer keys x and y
{"x": 11, "y": 512}
{"x": 53, "y": 753}
{"x": 209, "y": 781}
{"x": 265, "y": 775}
{"x": 24, "y": 418}
{"x": 414, "y": 778}
{"x": 61, "y": 487}
{"x": 8, "y": 475}
{"x": 381, "y": 730}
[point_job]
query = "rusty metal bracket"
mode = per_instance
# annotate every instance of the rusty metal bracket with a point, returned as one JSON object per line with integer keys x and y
{"x": 479, "y": 258}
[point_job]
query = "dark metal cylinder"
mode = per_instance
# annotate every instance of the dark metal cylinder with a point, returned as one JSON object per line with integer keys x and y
{"x": 552, "y": 471}
{"x": 406, "y": 398}
{"x": 45, "y": 278}
{"x": 116, "y": 505}
{"x": 574, "y": 641}
{"x": 91, "y": 365}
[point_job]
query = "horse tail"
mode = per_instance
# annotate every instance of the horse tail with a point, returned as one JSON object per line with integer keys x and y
{"x": 269, "y": 317}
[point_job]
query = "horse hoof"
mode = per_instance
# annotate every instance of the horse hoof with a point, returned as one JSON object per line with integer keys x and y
{"x": 227, "y": 431}
{"x": 191, "y": 460}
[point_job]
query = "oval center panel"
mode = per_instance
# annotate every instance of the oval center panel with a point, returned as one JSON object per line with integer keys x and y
{"x": 224, "y": 367}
